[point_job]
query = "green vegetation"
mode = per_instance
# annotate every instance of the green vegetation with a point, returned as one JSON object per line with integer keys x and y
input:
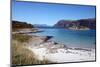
{"x": 20, "y": 25}
{"x": 21, "y": 55}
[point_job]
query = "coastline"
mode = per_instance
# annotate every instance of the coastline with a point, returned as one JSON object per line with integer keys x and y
{"x": 45, "y": 49}
{"x": 59, "y": 53}
{"x": 26, "y": 31}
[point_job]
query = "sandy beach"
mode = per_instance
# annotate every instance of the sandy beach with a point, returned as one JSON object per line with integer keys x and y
{"x": 43, "y": 48}
{"x": 59, "y": 53}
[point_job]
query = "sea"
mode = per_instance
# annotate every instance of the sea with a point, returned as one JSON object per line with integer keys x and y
{"x": 71, "y": 38}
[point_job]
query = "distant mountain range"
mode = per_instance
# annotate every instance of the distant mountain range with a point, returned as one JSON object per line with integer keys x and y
{"x": 77, "y": 24}
{"x": 82, "y": 24}
{"x": 42, "y": 26}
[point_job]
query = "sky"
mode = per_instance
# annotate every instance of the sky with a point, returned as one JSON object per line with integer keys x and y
{"x": 49, "y": 14}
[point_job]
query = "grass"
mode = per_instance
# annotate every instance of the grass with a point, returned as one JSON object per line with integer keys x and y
{"x": 21, "y": 37}
{"x": 22, "y": 55}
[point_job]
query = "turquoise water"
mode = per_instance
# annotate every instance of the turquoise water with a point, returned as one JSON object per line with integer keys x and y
{"x": 72, "y": 38}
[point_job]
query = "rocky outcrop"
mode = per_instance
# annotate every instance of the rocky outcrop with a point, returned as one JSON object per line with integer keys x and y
{"x": 77, "y": 24}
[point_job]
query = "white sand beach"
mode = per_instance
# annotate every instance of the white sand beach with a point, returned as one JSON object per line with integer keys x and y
{"x": 58, "y": 53}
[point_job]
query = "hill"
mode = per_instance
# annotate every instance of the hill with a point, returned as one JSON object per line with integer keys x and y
{"x": 77, "y": 24}
{"x": 19, "y": 24}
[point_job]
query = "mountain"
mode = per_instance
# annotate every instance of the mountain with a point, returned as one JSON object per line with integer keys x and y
{"x": 77, "y": 24}
{"x": 19, "y": 24}
{"x": 42, "y": 26}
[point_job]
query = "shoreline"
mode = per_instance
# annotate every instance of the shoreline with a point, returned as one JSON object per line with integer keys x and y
{"x": 56, "y": 52}
{"x": 45, "y": 49}
{"x": 26, "y": 31}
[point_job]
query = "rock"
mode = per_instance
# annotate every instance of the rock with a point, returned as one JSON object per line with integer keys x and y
{"x": 47, "y": 38}
{"x": 77, "y": 24}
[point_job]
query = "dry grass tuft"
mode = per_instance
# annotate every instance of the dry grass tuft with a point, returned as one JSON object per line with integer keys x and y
{"x": 21, "y": 37}
{"x": 22, "y": 55}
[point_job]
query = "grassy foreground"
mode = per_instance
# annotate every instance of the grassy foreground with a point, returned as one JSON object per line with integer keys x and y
{"x": 21, "y": 55}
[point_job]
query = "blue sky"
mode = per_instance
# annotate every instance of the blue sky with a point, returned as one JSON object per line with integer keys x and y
{"x": 50, "y": 14}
